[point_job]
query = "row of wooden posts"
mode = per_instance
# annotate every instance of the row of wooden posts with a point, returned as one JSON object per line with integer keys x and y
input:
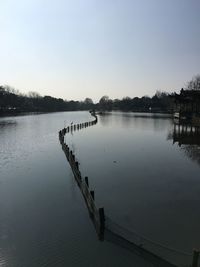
{"x": 79, "y": 126}
{"x": 97, "y": 214}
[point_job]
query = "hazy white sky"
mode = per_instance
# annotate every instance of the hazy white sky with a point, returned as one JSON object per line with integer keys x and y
{"x": 88, "y": 48}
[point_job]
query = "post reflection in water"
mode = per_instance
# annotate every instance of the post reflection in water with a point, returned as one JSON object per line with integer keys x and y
{"x": 143, "y": 181}
{"x": 188, "y": 138}
{"x": 141, "y": 177}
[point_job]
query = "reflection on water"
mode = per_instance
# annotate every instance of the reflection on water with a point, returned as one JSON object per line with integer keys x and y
{"x": 43, "y": 219}
{"x": 188, "y": 139}
{"x": 143, "y": 181}
{"x": 7, "y": 123}
{"x": 193, "y": 152}
{"x": 140, "y": 120}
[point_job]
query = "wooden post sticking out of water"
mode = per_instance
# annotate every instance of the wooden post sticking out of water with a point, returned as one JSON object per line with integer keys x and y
{"x": 92, "y": 194}
{"x": 72, "y": 156}
{"x": 86, "y": 181}
{"x": 102, "y": 218}
{"x": 76, "y": 164}
{"x": 195, "y": 258}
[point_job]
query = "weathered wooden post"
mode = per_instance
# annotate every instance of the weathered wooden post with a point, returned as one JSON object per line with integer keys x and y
{"x": 102, "y": 223}
{"x": 67, "y": 150}
{"x": 195, "y": 258}
{"x": 92, "y": 194}
{"x": 86, "y": 181}
{"x": 71, "y": 155}
{"x": 77, "y": 165}
{"x": 102, "y": 218}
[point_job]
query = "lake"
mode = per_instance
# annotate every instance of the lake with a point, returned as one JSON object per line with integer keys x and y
{"x": 145, "y": 182}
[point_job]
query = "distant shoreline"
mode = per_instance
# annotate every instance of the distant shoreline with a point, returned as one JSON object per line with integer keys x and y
{"x": 100, "y": 112}
{"x": 23, "y": 113}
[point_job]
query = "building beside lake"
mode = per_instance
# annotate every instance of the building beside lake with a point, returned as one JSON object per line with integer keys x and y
{"x": 187, "y": 106}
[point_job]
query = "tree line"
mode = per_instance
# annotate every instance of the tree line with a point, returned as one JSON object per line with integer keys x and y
{"x": 12, "y": 101}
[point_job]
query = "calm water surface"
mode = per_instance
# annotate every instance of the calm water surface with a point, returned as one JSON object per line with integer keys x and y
{"x": 144, "y": 181}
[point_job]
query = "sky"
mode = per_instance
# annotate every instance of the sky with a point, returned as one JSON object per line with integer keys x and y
{"x": 75, "y": 49}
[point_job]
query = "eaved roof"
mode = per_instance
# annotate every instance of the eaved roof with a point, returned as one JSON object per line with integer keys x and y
{"x": 187, "y": 96}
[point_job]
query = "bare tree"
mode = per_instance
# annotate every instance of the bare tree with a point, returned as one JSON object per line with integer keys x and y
{"x": 33, "y": 95}
{"x": 194, "y": 84}
{"x": 10, "y": 89}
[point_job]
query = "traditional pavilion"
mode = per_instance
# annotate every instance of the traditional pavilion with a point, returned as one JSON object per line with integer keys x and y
{"x": 187, "y": 105}
{"x": 188, "y": 101}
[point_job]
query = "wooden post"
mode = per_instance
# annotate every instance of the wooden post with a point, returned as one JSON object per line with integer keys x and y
{"x": 102, "y": 218}
{"x": 102, "y": 224}
{"x": 195, "y": 258}
{"x": 86, "y": 181}
{"x": 92, "y": 194}
{"x": 76, "y": 164}
{"x": 71, "y": 155}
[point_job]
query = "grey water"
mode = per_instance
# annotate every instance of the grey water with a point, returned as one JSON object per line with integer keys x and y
{"x": 144, "y": 181}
